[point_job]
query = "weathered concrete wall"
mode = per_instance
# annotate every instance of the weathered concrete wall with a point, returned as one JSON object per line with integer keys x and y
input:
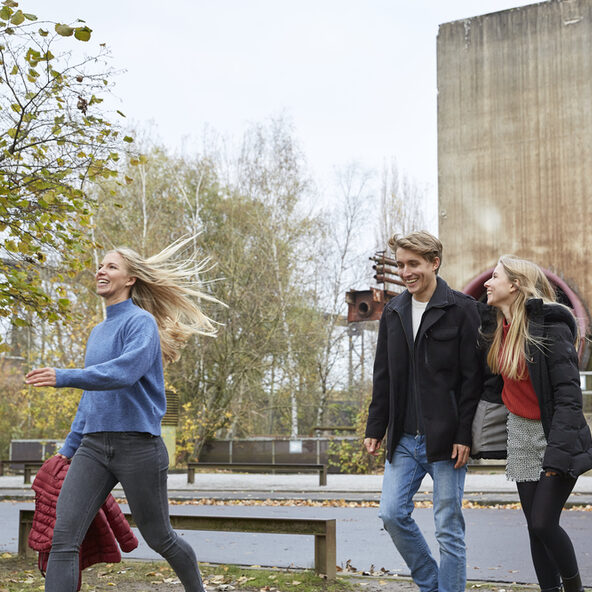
{"x": 515, "y": 141}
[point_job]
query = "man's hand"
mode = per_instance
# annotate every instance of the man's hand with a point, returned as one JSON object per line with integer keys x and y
{"x": 41, "y": 377}
{"x": 372, "y": 446}
{"x": 460, "y": 452}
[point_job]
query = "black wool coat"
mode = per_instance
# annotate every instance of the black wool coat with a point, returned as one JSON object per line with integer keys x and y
{"x": 443, "y": 365}
{"x": 553, "y": 370}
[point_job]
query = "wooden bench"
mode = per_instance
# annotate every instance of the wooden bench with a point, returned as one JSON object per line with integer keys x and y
{"x": 6, "y": 463}
{"x": 325, "y": 544}
{"x": 486, "y": 466}
{"x": 259, "y": 467}
{"x": 30, "y": 467}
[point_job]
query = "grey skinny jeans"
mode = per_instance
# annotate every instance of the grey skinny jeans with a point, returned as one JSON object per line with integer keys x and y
{"x": 140, "y": 463}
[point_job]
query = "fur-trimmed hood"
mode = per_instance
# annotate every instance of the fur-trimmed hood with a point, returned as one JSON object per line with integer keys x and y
{"x": 546, "y": 314}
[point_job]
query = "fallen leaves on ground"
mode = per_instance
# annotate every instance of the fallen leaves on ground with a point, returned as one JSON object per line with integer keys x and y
{"x": 373, "y": 571}
{"x": 342, "y": 503}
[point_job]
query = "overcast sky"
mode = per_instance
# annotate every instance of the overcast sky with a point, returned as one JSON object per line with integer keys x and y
{"x": 357, "y": 78}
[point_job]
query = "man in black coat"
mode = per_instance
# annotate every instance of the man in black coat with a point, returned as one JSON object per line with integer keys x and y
{"x": 427, "y": 381}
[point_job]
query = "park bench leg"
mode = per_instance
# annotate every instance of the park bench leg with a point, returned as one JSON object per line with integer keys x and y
{"x": 190, "y": 475}
{"x": 323, "y": 476}
{"x": 27, "y": 475}
{"x": 326, "y": 552}
{"x": 23, "y": 537}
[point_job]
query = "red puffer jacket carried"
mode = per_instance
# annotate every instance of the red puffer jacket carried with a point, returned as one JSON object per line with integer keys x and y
{"x": 108, "y": 528}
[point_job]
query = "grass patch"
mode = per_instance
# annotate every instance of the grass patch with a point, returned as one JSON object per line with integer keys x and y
{"x": 254, "y": 578}
{"x": 21, "y": 574}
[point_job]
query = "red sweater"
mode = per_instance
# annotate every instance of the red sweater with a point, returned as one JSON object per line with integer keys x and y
{"x": 518, "y": 395}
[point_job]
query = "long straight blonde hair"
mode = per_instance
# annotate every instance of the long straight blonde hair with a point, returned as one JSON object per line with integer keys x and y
{"x": 507, "y": 356}
{"x": 170, "y": 291}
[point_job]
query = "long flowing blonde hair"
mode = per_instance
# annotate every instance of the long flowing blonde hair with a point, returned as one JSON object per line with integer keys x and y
{"x": 507, "y": 356}
{"x": 170, "y": 290}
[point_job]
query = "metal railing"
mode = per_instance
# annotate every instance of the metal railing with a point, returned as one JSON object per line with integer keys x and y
{"x": 586, "y": 384}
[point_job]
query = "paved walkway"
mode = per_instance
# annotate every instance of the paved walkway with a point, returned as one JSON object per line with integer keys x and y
{"x": 481, "y": 488}
{"x": 496, "y": 538}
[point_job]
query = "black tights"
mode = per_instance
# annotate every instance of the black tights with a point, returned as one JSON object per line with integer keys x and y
{"x": 551, "y": 548}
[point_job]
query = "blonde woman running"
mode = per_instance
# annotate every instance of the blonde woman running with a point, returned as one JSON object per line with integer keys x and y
{"x": 115, "y": 436}
{"x": 549, "y": 443}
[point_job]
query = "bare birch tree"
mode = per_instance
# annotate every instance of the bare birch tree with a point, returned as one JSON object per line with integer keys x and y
{"x": 272, "y": 170}
{"x": 341, "y": 266}
{"x": 401, "y": 207}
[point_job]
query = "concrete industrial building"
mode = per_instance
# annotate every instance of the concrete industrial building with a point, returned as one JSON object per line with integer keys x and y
{"x": 515, "y": 145}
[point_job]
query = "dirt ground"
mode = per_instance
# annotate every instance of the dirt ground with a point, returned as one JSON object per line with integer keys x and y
{"x": 21, "y": 574}
{"x": 366, "y": 584}
{"x": 358, "y": 583}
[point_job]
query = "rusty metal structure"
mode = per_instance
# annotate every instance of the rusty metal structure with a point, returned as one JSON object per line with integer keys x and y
{"x": 367, "y": 305}
{"x": 515, "y": 145}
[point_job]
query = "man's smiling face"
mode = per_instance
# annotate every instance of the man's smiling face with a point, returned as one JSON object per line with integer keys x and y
{"x": 418, "y": 274}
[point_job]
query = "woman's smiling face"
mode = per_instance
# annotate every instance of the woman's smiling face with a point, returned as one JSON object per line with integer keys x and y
{"x": 501, "y": 292}
{"x": 112, "y": 279}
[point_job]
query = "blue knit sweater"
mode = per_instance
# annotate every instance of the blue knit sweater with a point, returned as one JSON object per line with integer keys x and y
{"x": 123, "y": 378}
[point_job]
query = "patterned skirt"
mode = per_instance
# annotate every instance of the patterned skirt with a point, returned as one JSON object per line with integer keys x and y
{"x": 526, "y": 448}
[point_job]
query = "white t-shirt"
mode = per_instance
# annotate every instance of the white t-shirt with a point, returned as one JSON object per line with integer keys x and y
{"x": 417, "y": 310}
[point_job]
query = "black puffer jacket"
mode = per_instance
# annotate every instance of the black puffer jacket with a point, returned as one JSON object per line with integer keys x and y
{"x": 553, "y": 370}
{"x": 442, "y": 365}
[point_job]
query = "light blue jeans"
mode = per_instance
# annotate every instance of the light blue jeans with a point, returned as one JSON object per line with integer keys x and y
{"x": 402, "y": 479}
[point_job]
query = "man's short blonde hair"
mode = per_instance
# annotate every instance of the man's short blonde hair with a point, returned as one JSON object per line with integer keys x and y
{"x": 421, "y": 242}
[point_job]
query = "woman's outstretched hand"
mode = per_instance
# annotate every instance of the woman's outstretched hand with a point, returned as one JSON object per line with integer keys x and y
{"x": 41, "y": 377}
